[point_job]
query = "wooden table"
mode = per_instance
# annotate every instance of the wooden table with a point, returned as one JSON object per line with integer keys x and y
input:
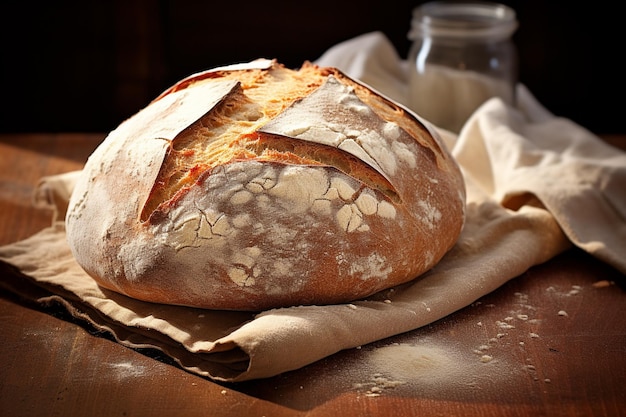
{"x": 550, "y": 342}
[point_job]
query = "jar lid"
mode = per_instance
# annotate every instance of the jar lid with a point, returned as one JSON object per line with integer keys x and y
{"x": 463, "y": 20}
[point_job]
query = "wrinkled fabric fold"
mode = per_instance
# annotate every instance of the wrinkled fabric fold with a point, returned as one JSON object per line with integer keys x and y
{"x": 537, "y": 185}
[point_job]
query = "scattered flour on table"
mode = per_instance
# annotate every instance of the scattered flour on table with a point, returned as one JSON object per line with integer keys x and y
{"x": 521, "y": 325}
{"x": 574, "y": 290}
{"x": 127, "y": 370}
{"x": 431, "y": 366}
{"x": 424, "y": 366}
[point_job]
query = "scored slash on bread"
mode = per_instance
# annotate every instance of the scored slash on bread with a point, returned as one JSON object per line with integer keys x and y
{"x": 256, "y": 186}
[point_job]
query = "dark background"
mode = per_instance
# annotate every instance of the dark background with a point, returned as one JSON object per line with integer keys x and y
{"x": 86, "y": 66}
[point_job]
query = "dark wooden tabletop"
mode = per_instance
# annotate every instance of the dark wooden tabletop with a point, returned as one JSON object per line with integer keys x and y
{"x": 550, "y": 342}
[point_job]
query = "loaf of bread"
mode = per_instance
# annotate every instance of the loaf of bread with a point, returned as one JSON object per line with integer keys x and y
{"x": 255, "y": 186}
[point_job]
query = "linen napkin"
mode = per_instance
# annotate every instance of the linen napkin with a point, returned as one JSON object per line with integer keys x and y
{"x": 537, "y": 184}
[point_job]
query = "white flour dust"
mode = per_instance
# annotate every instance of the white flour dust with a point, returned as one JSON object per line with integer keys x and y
{"x": 447, "y": 367}
{"x": 426, "y": 367}
{"x": 128, "y": 370}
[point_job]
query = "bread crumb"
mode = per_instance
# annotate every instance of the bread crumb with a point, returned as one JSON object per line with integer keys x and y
{"x": 480, "y": 323}
{"x": 223, "y": 392}
{"x": 521, "y": 343}
{"x": 377, "y": 385}
{"x": 533, "y": 335}
{"x": 562, "y": 313}
{"x": 547, "y": 380}
{"x": 575, "y": 290}
{"x": 522, "y": 316}
{"x": 486, "y": 358}
{"x": 352, "y": 306}
{"x": 387, "y": 301}
{"x": 504, "y": 325}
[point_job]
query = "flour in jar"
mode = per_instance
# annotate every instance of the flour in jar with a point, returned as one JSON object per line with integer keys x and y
{"x": 447, "y": 97}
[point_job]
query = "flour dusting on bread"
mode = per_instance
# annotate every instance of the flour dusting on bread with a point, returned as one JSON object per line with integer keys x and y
{"x": 256, "y": 186}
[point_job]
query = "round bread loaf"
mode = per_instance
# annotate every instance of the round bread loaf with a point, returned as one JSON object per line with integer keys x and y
{"x": 255, "y": 186}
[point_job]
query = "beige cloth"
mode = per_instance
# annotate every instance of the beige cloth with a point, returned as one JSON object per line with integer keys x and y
{"x": 536, "y": 185}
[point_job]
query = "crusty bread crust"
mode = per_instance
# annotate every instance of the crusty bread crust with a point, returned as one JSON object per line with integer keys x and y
{"x": 256, "y": 186}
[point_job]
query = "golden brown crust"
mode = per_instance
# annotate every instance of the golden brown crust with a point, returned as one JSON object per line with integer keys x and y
{"x": 257, "y": 186}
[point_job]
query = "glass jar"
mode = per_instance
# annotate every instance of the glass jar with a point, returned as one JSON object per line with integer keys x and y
{"x": 462, "y": 54}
